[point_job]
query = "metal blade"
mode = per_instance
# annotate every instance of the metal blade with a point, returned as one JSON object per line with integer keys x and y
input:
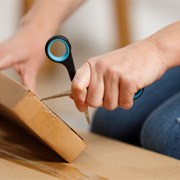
{"x": 63, "y": 94}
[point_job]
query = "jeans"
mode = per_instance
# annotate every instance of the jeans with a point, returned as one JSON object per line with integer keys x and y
{"x": 154, "y": 120}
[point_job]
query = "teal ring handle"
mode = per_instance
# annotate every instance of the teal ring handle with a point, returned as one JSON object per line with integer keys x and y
{"x": 57, "y": 58}
{"x": 138, "y": 93}
{"x": 66, "y": 59}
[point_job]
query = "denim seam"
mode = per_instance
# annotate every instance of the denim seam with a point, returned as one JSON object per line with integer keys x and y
{"x": 172, "y": 132}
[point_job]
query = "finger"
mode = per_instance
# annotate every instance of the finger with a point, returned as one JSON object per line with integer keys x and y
{"x": 6, "y": 62}
{"x": 127, "y": 90}
{"x": 111, "y": 89}
{"x": 9, "y": 60}
{"x": 29, "y": 79}
{"x": 81, "y": 108}
{"x": 95, "y": 92}
{"x": 79, "y": 86}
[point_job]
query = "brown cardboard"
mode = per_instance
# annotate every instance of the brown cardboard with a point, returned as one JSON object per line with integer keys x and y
{"x": 24, "y": 157}
{"x": 20, "y": 105}
{"x": 10, "y": 92}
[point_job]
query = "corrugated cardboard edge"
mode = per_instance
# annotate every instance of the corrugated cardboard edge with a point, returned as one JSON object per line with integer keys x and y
{"x": 11, "y": 92}
{"x": 49, "y": 127}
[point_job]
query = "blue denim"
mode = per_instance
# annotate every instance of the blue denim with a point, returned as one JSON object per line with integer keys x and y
{"x": 154, "y": 120}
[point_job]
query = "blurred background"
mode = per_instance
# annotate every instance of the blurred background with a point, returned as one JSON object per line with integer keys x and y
{"x": 97, "y": 27}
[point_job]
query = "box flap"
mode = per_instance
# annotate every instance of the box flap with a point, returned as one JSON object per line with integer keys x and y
{"x": 10, "y": 91}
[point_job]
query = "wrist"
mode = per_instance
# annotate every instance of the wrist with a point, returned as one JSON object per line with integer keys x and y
{"x": 156, "y": 55}
{"x": 33, "y": 35}
{"x": 167, "y": 43}
{"x": 36, "y": 26}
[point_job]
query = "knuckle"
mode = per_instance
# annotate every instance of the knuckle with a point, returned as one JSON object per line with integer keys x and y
{"x": 109, "y": 104}
{"x": 112, "y": 72}
{"x": 97, "y": 62}
{"x": 91, "y": 60}
{"x": 79, "y": 102}
{"x": 81, "y": 107}
{"x": 93, "y": 103}
{"x": 76, "y": 87}
{"x": 100, "y": 64}
{"x": 110, "y": 75}
{"x": 109, "y": 107}
{"x": 127, "y": 78}
{"x": 129, "y": 82}
{"x": 126, "y": 105}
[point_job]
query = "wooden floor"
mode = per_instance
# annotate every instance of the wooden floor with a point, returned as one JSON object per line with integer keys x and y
{"x": 24, "y": 157}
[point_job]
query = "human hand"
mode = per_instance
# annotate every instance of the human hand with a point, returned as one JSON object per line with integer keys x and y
{"x": 111, "y": 80}
{"x": 25, "y": 53}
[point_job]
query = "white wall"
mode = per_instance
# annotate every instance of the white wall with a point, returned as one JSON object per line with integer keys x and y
{"x": 10, "y": 11}
{"x": 148, "y": 16}
{"x": 92, "y": 29}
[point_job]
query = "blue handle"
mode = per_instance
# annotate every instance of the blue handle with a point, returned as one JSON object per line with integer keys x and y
{"x": 57, "y": 58}
{"x": 138, "y": 93}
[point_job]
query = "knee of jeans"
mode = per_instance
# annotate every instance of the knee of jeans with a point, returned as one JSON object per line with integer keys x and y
{"x": 161, "y": 134}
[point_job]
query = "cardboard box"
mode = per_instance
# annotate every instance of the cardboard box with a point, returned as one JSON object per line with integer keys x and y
{"x": 22, "y": 106}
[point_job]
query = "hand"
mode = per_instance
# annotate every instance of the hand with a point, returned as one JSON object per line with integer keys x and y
{"x": 24, "y": 52}
{"x": 111, "y": 80}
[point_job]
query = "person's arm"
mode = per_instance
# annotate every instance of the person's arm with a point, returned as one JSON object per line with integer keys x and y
{"x": 25, "y": 50}
{"x": 49, "y": 14}
{"x": 168, "y": 43}
{"x": 111, "y": 80}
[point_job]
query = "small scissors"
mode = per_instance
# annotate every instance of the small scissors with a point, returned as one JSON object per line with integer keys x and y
{"x": 66, "y": 59}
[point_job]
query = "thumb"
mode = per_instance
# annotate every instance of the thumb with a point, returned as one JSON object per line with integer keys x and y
{"x": 7, "y": 61}
{"x": 82, "y": 77}
{"x": 11, "y": 59}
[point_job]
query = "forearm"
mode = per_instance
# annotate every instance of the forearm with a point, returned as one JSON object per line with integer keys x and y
{"x": 47, "y": 15}
{"x": 167, "y": 42}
